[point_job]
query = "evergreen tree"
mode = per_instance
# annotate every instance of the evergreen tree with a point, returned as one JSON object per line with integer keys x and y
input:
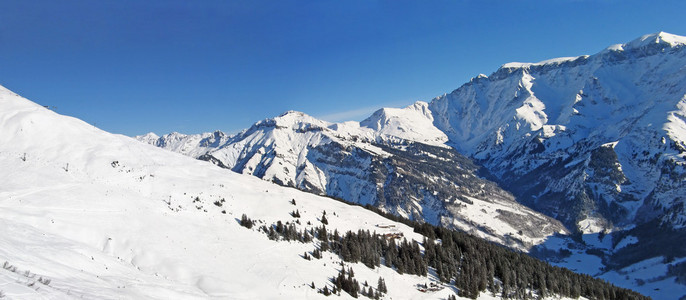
{"x": 272, "y": 234}
{"x": 381, "y": 285}
{"x": 279, "y": 227}
{"x": 246, "y": 222}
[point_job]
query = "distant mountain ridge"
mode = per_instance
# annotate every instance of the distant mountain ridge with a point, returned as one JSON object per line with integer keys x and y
{"x": 596, "y": 141}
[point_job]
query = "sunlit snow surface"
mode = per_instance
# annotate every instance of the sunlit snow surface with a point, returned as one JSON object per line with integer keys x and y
{"x": 103, "y": 216}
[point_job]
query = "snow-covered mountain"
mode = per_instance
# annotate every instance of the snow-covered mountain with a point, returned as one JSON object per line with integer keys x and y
{"x": 596, "y": 141}
{"x": 602, "y": 136}
{"x": 376, "y": 162}
{"x": 90, "y": 215}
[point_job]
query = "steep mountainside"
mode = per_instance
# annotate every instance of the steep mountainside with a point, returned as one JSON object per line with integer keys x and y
{"x": 598, "y": 142}
{"x": 595, "y": 141}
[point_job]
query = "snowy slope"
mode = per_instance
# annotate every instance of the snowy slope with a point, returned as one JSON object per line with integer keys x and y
{"x": 103, "y": 216}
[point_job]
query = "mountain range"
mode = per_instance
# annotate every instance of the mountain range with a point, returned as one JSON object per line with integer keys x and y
{"x": 86, "y": 214}
{"x": 577, "y": 160}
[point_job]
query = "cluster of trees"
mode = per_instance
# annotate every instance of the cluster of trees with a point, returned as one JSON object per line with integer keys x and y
{"x": 471, "y": 264}
{"x": 346, "y": 282}
{"x": 287, "y": 232}
{"x": 370, "y": 248}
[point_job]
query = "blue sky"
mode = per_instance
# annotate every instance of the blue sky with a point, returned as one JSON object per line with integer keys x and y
{"x": 132, "y": 67}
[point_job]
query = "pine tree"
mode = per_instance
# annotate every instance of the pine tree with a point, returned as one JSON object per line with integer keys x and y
{"x": 317, "y": 254}
{"x": 381, "y": 285}
{"x": 272, "y": 234}
{"x": 246, "y": 222}
{"x": 324, "y": 220}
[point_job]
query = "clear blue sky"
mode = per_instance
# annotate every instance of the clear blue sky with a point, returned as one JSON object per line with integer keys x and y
{"x": 132, "y": 67}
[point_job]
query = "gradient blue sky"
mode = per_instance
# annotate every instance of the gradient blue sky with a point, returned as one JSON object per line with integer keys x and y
{"x": 132, "y": 67}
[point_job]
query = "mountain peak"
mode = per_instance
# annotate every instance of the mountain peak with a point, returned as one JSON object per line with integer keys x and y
{"x": 148, "y": 138}
{"x": 661, "y": 38}
{"x": 292, "y": 113}
{"x": 293, "y": 117}
{"x": 414, "y": 122}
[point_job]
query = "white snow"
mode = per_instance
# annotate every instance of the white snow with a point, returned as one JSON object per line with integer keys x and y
{"x": 484, "y": 218}
{"x": 106, "y": 217}
{"x": 656, "y": 38}
{"x": 590, "y": 225}
{"x": 649, "y": 278}
{"x": 414, "y": 123}
{"x": 629, "y": 240}
{"x": 554, "y": 61}
{"x": 615, "y": 47}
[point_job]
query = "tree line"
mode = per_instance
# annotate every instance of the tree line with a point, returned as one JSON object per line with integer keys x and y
{"x": 471, "y": 264}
